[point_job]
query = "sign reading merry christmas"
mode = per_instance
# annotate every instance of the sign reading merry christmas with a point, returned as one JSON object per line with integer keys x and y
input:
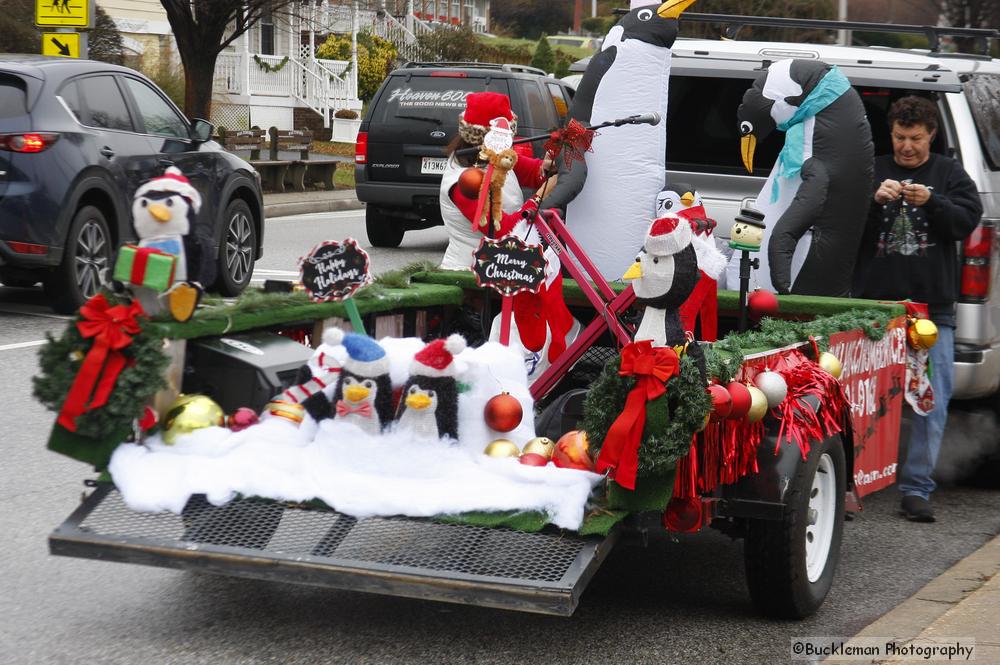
{"x": 335, "y": 270}
{"x": 509, "y": 265}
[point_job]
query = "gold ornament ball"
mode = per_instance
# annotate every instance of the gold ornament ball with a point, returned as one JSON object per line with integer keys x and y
{"x": 758, "y": 404}
{"x": 540, "y": 445}
{"x": 830, "y": 364}
{"x": 923, "y": 334}
{"x": 502, "y": 448}
{"x": 189, "y": 413}
{"x": 290, "y": 411}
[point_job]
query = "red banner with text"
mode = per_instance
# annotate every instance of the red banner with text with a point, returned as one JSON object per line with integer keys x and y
{"x": 873, "y": 376}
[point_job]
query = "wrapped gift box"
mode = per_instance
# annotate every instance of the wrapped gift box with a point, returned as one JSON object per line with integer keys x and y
{"x": 145, "y": 266}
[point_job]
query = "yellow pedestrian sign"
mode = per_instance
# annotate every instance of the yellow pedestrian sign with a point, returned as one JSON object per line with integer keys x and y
{"x": 65, "y": 44}
{"x": 62, "y": 13}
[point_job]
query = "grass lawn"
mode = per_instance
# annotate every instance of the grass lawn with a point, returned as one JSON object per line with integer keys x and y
{"x": 344, "y": 177}
{"x": 574, "y": 52}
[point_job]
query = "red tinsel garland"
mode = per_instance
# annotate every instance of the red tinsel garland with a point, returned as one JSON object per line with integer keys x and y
{"x": 800, "y": 422}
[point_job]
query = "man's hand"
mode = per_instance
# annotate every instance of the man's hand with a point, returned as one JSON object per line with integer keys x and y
{"x": 547, "y": 187}
{"x": 916, "y": 195}
{"x": 889, "y": 190}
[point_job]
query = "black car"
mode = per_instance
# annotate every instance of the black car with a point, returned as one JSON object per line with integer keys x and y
{"x": 77, "y": 138}
{"x": 400, "y": 150}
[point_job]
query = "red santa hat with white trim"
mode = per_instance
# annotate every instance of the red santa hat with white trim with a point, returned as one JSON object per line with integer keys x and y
{"x": 172, "y": 181}
{"x": 480, "y": 108}
{"x": 437, "y": 358}
{"x": 667, "y": 235}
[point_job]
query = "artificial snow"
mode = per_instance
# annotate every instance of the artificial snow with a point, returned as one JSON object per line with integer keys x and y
{"x": 359, "y": 474}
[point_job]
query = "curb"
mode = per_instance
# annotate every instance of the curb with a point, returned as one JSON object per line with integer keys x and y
{"x": 305, "y": 207}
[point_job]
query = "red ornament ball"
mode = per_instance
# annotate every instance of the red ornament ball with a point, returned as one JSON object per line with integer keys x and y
{"x": 741, "y": 398}
{"x": 722, "y": 403}
{"x": 532, "y": 459}
{"x": 503, "y": 412}
{"x": 762, "y": 303}
{"x": 242, "y": 418}
{"x": 148, "y": 419}
{"x": 469, "y": 182}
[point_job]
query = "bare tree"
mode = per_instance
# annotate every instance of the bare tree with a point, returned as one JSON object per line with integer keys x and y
{"x": 202, "y": 29}
{"x": 970, "y": 14}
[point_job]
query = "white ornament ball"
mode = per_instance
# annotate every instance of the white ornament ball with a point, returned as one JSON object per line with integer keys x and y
{"x": 773, "y": 386}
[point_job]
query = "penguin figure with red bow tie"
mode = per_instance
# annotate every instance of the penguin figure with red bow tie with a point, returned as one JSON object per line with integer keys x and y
{"x": 364, "y": 393}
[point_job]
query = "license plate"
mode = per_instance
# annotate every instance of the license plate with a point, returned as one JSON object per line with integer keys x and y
{"x": 433, "y": 165}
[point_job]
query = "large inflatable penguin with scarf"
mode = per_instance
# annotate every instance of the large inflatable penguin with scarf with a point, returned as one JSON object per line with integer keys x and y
{"x": 608, "y": 198}
{"x": 816, "y": 199}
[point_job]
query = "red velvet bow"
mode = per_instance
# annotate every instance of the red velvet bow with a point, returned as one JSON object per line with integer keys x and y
{"x": 344, "y": 409}
{"x": 575, "y": 139}
{"x": 112, "y": 329}
{"x": 653, "y": 367}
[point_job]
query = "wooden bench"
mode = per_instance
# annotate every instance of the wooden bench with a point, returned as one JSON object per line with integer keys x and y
{"x": 277, "y": 174}
{"x": 253, "y": 140}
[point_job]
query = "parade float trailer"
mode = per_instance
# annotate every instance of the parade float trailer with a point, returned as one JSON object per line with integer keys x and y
{"x": 782, "y": 479}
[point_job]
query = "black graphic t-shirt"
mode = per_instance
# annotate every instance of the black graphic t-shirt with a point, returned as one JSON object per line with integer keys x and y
{"x": 911, "y": 251}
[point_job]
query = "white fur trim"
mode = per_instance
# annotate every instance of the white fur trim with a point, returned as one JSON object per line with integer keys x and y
{"x": 670, "y": 243}
{"x": 455, "y": 344}
{"x": 710, "y": 259}
{"x": 370, "y": 369}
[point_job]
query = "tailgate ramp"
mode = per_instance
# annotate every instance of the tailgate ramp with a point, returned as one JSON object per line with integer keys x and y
{"x": 542, "y": 572}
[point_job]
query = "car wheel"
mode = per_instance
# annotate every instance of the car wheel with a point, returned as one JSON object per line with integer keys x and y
{"x": 85, "y": 264}
{"x": 239, "y": 244}
{"x": 383, "y": 230}
{"x": 790, "y": 563}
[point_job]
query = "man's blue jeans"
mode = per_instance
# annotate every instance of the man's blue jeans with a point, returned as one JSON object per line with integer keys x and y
{"x": 926, "y": 431}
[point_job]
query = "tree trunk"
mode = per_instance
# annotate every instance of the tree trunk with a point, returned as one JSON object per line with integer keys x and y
{"x": 199, "y": 78}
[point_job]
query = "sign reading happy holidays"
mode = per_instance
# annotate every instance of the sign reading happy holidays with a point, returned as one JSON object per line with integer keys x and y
{"x": 335, "y": 270}
{"x": 509, "y": 265}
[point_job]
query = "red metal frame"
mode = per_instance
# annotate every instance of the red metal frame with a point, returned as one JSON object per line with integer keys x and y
{"x": 608, "y": 304}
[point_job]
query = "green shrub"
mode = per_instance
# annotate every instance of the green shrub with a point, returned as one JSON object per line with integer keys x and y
{"x": 544, "y": 58}
{"x": 376, "y": 57}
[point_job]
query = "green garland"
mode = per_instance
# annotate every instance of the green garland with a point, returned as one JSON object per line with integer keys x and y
{"x": 60, "y": 359}
{"x": 671, "y": 420}
{"x": 270, "y": 69}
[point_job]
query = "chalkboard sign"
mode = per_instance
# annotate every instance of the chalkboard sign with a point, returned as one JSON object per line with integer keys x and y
{"x": 334, "y": 270}
{"x": 509, "y": 265}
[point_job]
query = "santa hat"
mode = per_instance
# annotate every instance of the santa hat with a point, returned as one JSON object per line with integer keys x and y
{"x": 480, "y": 108}
{"x": 172, "y": 181}
{"x": 667, "y": 235}
{"x": 365, "y": 356}
{"x": 436, "y": 359}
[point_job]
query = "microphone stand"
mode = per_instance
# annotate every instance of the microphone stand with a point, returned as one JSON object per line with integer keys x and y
{"x": 630, "y": 120}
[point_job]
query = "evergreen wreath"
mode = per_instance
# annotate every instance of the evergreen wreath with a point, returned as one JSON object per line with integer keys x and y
{"x": 60, "y": 360}
{"x": 270, "y": 69}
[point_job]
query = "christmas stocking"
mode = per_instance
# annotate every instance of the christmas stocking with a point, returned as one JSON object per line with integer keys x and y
{"x": 919, "y": 393}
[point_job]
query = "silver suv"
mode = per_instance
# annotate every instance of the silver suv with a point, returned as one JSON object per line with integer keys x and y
{"x": 707, "y": 82}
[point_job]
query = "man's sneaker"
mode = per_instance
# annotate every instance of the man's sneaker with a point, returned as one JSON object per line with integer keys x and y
{"x": 917, "y": 509}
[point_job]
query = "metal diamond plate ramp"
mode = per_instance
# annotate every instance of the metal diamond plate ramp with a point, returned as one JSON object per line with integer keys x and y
{"x": 532, "y": 572}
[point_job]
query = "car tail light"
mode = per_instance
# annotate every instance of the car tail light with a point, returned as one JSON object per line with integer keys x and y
{"x": 27, "y": 248}
{"x": 34, "y": 142}
{"x": 361, "y": 149}
{"x": 450, "y": 75}
{"x": 977, "y": 254}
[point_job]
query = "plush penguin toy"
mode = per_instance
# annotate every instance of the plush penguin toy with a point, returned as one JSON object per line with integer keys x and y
{"x": 364, "y": 393}
{"x": 164, "y": 214}
{"x": 683, "y": 200}
{"x": 429, "y": 406}
{"x": 663, "y": 276}
{"x": 317, "y": 379}
{"x": 816, "y": 199}
{"x": 607, "y": 203}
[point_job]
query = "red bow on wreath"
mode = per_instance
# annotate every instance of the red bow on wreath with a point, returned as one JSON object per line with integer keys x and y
{"x": 112, "y": 329}
{"x": 653, "y": 367}
{"x": 575, "y": 139}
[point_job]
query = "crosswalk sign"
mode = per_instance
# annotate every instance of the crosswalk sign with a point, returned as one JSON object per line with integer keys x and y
{"x": 62, "y": 13}
{"x": 64, "y": 44}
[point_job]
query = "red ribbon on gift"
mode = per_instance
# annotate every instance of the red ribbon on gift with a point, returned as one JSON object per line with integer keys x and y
{"x": 112, "y": 329}
{"x": 653, "y": 367}
{"x": 141, "y": 260}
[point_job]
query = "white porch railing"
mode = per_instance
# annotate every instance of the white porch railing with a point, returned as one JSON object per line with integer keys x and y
{"x": 387, "y": 27}
{"x": 342, "y": 91}
{"x": 264, "y": 82}
{"x": 228, "y": 73}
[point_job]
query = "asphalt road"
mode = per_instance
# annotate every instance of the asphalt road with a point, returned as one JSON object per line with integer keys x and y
{"x": 677, "y": 600}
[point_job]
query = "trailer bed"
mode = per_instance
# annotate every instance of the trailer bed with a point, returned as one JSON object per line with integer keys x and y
{"x": 544, "y": 572}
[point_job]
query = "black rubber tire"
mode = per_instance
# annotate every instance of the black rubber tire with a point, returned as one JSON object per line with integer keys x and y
{"x": 238, "y": 250}
{"x": 774, "y": 552}
{"x": 85, "y": 264}
{"x": 383, "y": 230}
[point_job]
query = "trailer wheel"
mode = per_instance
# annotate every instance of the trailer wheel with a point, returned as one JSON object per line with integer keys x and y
{"x": 790, "y": 563}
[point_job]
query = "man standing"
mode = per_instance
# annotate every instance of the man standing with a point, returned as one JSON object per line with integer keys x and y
{"x": 924, "y": 204}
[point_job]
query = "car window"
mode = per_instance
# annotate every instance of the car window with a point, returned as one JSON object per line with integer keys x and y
{"x": 71, "y": 95}
{"x": 156, "y": 114}
{"x": 559, "y": 100}
{"x": 537, "y": 110}
{"x": 12, "y": 97}
{"x": 104, "y": 104}
{"x": 983, "y": 91}
{"x": 433, "y": 100}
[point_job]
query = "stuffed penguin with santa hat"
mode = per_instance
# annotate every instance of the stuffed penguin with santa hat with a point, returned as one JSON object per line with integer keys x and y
{"x": 429, "y": 407}
{"x": 364, "y": 393}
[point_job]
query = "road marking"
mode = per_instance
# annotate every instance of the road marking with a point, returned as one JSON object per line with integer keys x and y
{"x": 273, "y": 272}
{"x": 335, "y": 214}
{"x": 20, "y": 312}
{"x": 21, "y": 345}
